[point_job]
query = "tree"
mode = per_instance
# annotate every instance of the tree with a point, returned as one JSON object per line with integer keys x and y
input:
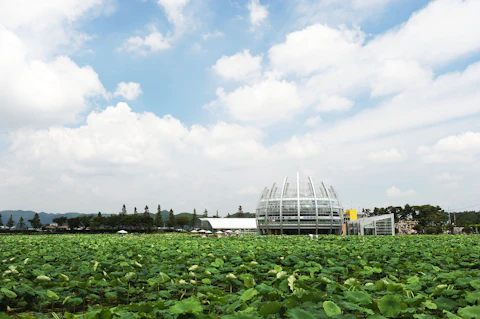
{"x": 183, "y": 221}
{"x": 135, "y": 211}
{"x": 10, "y": 222}
{"x": 21, "y": 223}
{"x": 194, "y": 218}
{"x": 35, "y": 221}
{"x": 159, "y": 217}
{"x": 146, "y": 212}
{"x": 1, "y": 221}
{"x": 228, "y": 215}
{"x": 171, "y": 219}
{"x": 124, "y": 210}
{"x": 216, "y": 215}
{"x": 60, "y": 220}
{"x": 205, "y": 213}
{"x": 240, "y": 213}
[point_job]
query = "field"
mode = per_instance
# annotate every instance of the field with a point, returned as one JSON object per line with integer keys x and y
{"x": 180, "y": 276}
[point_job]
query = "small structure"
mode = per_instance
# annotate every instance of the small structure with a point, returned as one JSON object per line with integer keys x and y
{"x": 406, "y": 227}
{"x": 242, "y": 225}
{"x": 376, "y": 225}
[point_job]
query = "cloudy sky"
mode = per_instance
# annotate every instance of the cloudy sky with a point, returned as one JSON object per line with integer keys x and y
{"x": 202, "y": 103}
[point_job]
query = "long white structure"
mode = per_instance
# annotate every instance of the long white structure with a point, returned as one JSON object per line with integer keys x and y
{"x": 242, "y": 225}
{"x": 299, "y": 208}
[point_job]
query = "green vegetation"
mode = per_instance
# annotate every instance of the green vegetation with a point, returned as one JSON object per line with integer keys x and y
{"x": 180, "y": 276}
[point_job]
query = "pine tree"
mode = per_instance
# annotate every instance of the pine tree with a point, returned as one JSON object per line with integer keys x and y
{"x": 205, "y": 213}
{"x": 147, "y": 212}
{"x": 10, "y": 222}
{"x": 1, "y": 221}
{"x": 124, "y": 210}
{"x": 171, "y": 219}
{"x": 194, "y": 218}
{"x": 217, "y": 216}
{"x": 21, "y": 223}
{"x": 228, "y": 215}
{"x": 159, "y": 217}
{"x": 240, "y": 213}
{"x": 35, "y": 221}
{"x": 135, "y": 211}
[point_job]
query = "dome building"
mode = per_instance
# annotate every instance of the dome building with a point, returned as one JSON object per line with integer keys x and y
{"x": 299, "y": 208}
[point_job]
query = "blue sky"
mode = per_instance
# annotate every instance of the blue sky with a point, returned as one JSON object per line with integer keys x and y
{"x": 200, "y": 104}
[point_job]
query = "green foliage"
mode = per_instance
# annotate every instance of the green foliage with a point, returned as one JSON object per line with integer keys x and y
{"x": 185, "y": 276}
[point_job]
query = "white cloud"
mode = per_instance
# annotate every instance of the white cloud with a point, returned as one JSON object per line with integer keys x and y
{"x": 303, "y": 147}
{"x": 460, "y": 148}
{"x": 49, "y": 26}
{"x": 258, "y": 12}
{"x": 395, "y": 192}
{"x": 315, "y": 48}
{"x": 34, "y": 92}
{"x": 313, "y": 121}
{"x": 263, "y": 103}
{"x": 153, "y": 42}
{"x": 388, "y": 156}
{"x": 239, "y": 67}
{"x": 215, "y": 34}
{"x": 327, "y": 103}
{"x": 444, "y": 31}
{"x": 129, "y": 91}
{"x": 174, "y": 10}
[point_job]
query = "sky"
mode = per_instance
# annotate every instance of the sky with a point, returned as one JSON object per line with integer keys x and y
{"x": 203, "y": 103}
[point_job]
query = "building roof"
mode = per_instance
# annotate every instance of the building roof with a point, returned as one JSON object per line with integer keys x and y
{"x": 231, "y": 223}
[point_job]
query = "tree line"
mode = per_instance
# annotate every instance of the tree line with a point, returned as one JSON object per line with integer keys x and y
{"x": 144, "y": 221}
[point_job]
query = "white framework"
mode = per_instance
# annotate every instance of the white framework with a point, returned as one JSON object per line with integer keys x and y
{"x": 375, "y": 225}
{"x": 299, "y": 209}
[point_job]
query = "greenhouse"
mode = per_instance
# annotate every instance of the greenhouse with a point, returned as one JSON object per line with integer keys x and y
{"x": 376, "y": 225}
{"x": 299, "y": 208}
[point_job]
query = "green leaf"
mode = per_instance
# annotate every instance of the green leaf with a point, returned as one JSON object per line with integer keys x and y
{"x": 190, "y": 305}
{"x": 10, "y": 294}
{"x": 331, "y": 309}
{"x": 473, "y": 297}
{"x": 297, "y": 313}
{"x": 270, "y": 308}
{"x": 475, "y": 283}
{"x": 358, "y": 297}
{"x": 249, "y": 294}
{"x": 469, "y": 312}
{"x": 52, "y": 295}
{"x": 241, "y": 315}
{"x": 390, "y": 305}
{"x": 376, "y": 316}
{"x": 291, "y": 282}
{"x": 445, "y": 303}
{"x": 451, "y": 315}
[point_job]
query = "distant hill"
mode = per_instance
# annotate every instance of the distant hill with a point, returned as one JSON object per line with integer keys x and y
{"x": 45, "y": 218}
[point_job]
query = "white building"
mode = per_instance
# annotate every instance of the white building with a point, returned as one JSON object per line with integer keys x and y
{"x": 376, "y": 225}
{"x": 242, "y": 225}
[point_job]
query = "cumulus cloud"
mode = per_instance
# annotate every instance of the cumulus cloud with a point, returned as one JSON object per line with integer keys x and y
{"x": 461, "y": 148}
{"x": 129, "y": 91}
{"x": 239, "y": 67}
{"x": 36, "y": 92}
{"x": 153, "y": 42}
{"x": 258, "y": 12}
{"x": 304, "y": 147}
{"x": 388, "y": 156}
{"x": 396, "y": 192}
{"x": 254, "y": 103}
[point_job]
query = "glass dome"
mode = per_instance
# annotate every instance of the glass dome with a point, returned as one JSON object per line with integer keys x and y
{"x": 299, "y": 208}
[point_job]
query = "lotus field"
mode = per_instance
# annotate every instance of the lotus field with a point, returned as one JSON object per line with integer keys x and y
{"x": 182, "y": 276}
